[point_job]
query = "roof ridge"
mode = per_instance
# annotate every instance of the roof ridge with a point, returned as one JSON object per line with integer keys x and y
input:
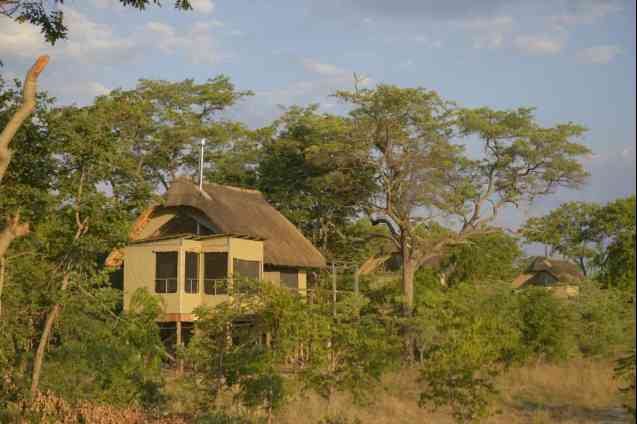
{"x": 242, "y": 189}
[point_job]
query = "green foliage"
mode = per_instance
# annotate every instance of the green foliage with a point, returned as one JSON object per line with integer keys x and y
{"x": 254, "y": 340}
{"x": 157, "y": 128}
{"x": 487, "y": 257}
{"x": 603, "y": 321}
{"x": 306, "y": 172}
{"x": 546, "y": 323}
{"x": 471, "y": 339}
{"x": 102, "y": 356}
{"x": 615, "y": 225}
{"x": 599, "y": 238}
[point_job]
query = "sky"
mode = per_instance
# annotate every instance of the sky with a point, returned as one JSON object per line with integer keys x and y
{"x": 574, "y": 60}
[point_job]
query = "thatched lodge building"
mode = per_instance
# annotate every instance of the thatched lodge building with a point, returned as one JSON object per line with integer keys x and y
{"x": 191, "y": 249}
{"x": 554, "y": 274}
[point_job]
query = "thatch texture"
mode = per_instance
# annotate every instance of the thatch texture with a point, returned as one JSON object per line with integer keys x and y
{"x": 234, "y": 210}
{"x": 560, "y": 269}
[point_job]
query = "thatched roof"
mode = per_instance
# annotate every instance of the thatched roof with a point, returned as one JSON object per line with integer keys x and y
{"x": 560, "y": 269}
{"x": 234, "y": 210}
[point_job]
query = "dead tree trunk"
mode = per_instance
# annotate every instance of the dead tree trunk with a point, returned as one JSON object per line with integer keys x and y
{"x": 11, "y": 231}
{"x": 13, "y": 227}
{"x": 23, "y": 112}
{"x": 38, "y": 360}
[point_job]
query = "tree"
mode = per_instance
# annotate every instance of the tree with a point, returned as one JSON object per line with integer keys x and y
{"x": 49, "y": 18}
{"x": 302, "y": 171}
{"x": 614, "y": 226}
{"x": 567, "y": 231}
{"x": 423, "y": 177}
{"x": 84, "y": 222}
{"x": 484, "y": 258}
{"x": 158, "y": 126}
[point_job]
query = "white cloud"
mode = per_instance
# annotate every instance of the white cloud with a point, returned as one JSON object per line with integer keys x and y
{"x": 198, "y": 44}
{"x": 205, "y": 7}
{"x": 599, "y": 55}
{"x": 325, "y": 69}
{"x": 88, "y": 41}
{"x": 487, "y": 32}
{"x": 427, "y": 41}
{"x": 84, "y": 89}
{"x": 92, "y": 42}
{"x": 538, "y": 44}
{"x": 628, "y": 153}
{"x": 22, "y": 40}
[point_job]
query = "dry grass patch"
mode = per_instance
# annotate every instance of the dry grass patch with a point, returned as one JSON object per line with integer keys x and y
{"x": 580, "y": 391}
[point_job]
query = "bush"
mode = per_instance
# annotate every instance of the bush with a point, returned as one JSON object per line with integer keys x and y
{"x": 603, "y": 320}
{"x": 472, "y": 338}
{"x": 546, "y": 325}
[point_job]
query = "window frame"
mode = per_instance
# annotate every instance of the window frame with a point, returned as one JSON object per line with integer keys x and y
{"x": 215, "y": 284}
{"x": 166, "y": 285}
{"x": 189, "y": 287}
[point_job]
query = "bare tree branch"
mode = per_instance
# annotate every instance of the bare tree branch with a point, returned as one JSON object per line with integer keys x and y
{"x": 26, "y": 108}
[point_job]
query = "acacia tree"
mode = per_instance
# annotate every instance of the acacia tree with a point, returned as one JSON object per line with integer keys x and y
{"x": 157, "y": 127}
{"x": 425, "y": 178}
{"x": 567, "y": 231}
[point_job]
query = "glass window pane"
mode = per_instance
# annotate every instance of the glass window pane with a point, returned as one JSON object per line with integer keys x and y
{"x": 247, "y": 269}
{"x": 192, "y": 272}
{"x": 166, "y": 265}
{"x": 290, "y": 279}
{"x": 215, "y": 265}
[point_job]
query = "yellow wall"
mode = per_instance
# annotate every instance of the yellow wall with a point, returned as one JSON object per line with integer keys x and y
{"x": 139, "y": 272}
{"x": 272, "y": 276}
{"x": 139, "y": 269}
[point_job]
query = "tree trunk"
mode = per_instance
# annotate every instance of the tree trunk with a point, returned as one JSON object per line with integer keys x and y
{"x": 582, "y": 266}
{"x": 13, "y": 229}
{"x": 28, "y": 104}
{"x": 409, "y": 270}
{"x": 44, "y": 339}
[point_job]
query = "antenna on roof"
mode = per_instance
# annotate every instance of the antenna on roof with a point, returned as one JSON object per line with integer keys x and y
{"x": 203, "y": 143}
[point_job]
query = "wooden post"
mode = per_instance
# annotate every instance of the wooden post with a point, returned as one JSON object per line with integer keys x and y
{"x": 180, "y": 362}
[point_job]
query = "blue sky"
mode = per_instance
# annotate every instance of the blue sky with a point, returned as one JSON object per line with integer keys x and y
{"x": 572, "y": 59}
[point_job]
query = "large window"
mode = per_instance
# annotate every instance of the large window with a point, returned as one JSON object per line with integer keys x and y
{"x": 166, "y": 272}
{"x": 215, "y": 273}
{"x": 290, "y": 279}
{"x": 246, "y": 269}
{"x": 192, "y": 272}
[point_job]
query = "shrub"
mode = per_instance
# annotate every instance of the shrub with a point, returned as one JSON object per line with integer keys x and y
{"x": 546, "y": 325}
{"x": 603, "y": 320}
{"x": 472, "y": 339}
